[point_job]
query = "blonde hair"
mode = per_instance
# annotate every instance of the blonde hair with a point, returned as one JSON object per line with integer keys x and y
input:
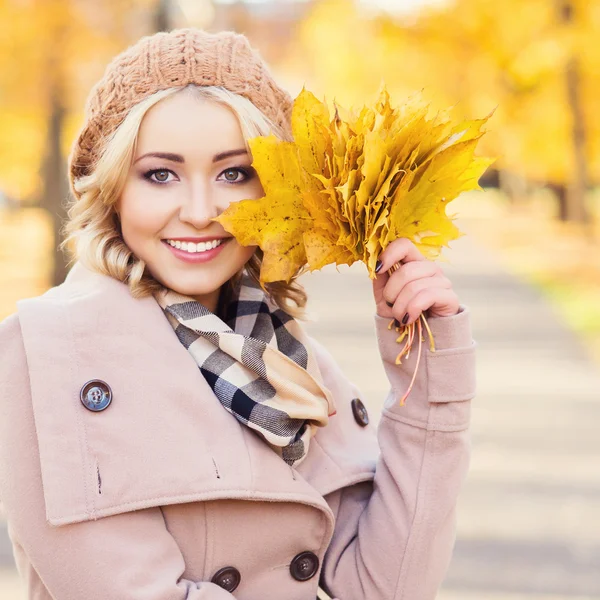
{"x": 93, "y": 233}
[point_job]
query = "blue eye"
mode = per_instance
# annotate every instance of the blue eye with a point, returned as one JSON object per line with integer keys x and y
{"x": 159, "y": 180}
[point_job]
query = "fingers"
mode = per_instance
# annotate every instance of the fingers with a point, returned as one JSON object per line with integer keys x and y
{"x": 445, "y": 300}
{"x": 401, "y": 249}
{"x": 417, "y": 286}
{"x": 411, "y": 291}
{"x": 417, "y": 297}
{"x": 408, "y": 273}
{"x": 394, "y": 294}
{"x": 404, "y": 300}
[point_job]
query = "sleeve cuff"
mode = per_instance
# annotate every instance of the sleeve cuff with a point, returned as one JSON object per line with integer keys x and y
{"x": 445, "y": 380}
{"x": 454, "y": 331}
{"x": 448, "y": 332}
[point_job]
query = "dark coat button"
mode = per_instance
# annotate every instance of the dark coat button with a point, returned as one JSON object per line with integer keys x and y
{"x": 304, "y": 566}
{"x": 228, "y": 578}
{"x": 95, "y": 395}
{"x": 361, "y": 416}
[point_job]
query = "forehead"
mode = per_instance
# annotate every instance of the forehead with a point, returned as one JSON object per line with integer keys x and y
{"x": 183, "y": 122}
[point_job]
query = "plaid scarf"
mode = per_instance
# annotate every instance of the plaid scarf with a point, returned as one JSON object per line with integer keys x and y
{"x": 259, "y": 364}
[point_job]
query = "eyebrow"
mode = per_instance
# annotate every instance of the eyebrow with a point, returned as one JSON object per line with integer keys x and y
{"x": 179, "y": 159}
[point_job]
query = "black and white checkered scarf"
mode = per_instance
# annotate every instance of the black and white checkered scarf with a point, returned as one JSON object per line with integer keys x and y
{"x": 259, "y": 364}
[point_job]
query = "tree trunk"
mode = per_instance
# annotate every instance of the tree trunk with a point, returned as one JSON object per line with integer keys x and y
{"x": 55, "y": 183}
{"x": 560, "y": 191}
{"x": 576, "y": 209}
{"x": 576, "y": 194}
{"x": 162, "y": 16}
{"x": 513, "y": 185}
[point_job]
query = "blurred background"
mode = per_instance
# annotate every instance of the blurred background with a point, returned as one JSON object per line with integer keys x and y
{"x": 528, "y": 268}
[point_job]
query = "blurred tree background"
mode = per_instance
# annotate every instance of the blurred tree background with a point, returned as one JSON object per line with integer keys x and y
{"x": 527, "y": 523}
{"x": 532, "y": 61}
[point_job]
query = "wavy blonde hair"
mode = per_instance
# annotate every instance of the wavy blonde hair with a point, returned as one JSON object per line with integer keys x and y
{"x": 93, "y": 232}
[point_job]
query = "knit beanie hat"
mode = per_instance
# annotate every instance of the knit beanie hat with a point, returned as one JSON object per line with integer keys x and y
{"x": 174, "y": 59}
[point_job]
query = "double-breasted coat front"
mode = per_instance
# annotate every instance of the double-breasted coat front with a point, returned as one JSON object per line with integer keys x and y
{"x": 164, "y": 495}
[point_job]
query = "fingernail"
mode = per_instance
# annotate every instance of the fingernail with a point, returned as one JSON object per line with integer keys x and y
{"x": 378, "y": 266}
{"x": 390, "y": 304}
{"x": 405, "y": 319}
{"x": 396, "y": 323}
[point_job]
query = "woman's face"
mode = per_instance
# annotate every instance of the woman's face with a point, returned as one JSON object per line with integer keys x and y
{"x": 190, "y": 163}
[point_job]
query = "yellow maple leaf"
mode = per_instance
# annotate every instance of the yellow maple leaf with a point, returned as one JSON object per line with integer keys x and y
{"x": 277, "y": 221}
{"x": 351, "y": 183}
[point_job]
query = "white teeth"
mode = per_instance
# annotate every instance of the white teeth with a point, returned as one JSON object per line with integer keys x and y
{"x": 193, "y": 248}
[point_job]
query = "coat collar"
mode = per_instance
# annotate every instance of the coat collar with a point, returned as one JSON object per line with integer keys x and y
{"x": 165, "y": 438}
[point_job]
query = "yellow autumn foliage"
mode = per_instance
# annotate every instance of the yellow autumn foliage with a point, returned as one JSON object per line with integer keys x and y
{"x": 351, "y": 183}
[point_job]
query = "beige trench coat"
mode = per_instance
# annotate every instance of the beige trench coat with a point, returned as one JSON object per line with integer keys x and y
{"x": 150, "y": 498}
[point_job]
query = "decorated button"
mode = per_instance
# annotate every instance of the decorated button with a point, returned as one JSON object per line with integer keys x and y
{"x": 304, "y": 566}
{"x": 361, "y": 416}
{"x": 228, "y": 578}
{"x": 95, "y": 395}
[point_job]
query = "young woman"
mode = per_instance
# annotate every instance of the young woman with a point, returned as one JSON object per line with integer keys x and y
{"x": 167, "y": 429}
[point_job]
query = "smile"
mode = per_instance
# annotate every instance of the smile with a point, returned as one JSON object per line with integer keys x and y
{"x": 192, "y": 248}
{"x": 192, "y": 252}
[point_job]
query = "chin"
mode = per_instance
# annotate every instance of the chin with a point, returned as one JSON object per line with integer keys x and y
{"x": 193, "y": 288}
{"x": 200, "y": 280}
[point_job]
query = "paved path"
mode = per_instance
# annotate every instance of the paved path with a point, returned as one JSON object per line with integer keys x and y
{"x": 529, "y": 515}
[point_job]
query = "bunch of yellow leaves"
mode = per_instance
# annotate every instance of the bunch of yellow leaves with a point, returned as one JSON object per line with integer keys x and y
{"x": 351, "y": 183}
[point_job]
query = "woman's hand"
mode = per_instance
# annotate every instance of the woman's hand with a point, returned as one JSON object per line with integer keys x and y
{"x": 418, "y": 285}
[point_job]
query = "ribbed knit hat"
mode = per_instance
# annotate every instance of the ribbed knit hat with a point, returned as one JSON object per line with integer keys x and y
{"x": 174, "y": 59}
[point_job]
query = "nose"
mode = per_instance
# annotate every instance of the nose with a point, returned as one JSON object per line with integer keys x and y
{"x": 198, "y": 206}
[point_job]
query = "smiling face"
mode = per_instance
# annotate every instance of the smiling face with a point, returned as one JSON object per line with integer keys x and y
{"x": 190, "y": 164}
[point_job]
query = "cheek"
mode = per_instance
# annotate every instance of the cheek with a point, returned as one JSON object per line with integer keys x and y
{"x": 140, "y": 216}
{"x": 257, "y": 190}
{"x": 245, "y": 252}
{"x": 239, "y": 256}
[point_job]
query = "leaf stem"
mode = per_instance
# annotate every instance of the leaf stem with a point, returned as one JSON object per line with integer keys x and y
{"x": 431, "y": 340}
{"x": 409, "y": 332}
{"x": 420, "y": 328}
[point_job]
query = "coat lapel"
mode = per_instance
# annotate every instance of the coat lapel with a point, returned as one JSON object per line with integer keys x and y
{"x": 165, "y": 438}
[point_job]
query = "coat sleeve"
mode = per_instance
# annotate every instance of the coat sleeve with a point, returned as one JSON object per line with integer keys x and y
{"x": 129, "y": 555}
{"x": 394, "y": 536}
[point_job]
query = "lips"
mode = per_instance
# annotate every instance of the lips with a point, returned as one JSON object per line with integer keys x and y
{"x": 197, "y": 257}
{"x": 193, "y": 247}
{"x": 197, "y": 240}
